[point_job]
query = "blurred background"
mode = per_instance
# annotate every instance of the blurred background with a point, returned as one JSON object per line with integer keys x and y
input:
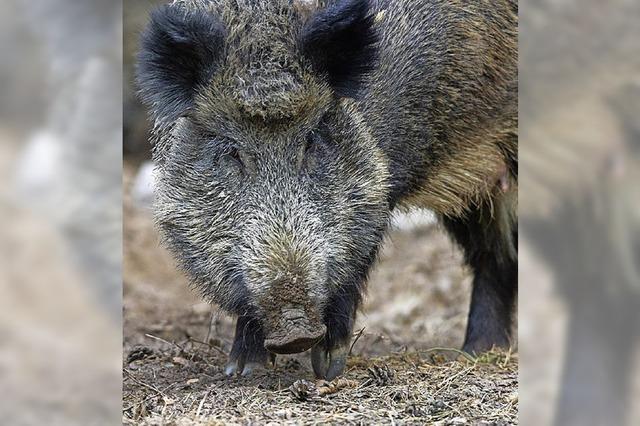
{"x": 68, "y": 113}
{"x": 61, "y": 212}
{"x": 579, "y": 211}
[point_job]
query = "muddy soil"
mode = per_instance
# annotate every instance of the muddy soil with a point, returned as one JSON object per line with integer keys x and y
{"x": 175, "y": 347}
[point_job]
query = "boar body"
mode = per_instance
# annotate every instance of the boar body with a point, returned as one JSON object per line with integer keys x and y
{"x": 443, "y": 107}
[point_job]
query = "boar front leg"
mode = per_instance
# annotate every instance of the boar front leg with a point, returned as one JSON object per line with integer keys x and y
{"x": 329, "y": 357}
{"x": 247, "y": 352}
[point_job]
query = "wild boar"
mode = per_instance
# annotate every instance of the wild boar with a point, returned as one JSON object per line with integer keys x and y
{"x": 287, "y": 132}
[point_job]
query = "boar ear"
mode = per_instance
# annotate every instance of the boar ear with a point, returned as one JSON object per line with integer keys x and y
{"x": 341, "y": 42}
{"x": 179, "y": 50}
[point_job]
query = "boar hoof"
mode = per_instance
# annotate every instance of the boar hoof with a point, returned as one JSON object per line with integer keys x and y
{"x": 239, "y": 365}
{"x": 236, "y": 368}
{"x": 486, "y": 343}
{"x": 328, "y": 364}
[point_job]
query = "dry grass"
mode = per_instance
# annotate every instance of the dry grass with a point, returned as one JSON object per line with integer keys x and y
{"x": 183, "y": 384}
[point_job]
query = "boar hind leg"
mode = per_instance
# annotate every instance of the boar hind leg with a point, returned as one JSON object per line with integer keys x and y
{"x": 489, "y": 240}
{"x": 247, "y": 352}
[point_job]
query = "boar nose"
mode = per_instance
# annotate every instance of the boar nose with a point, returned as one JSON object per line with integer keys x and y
{"x": 296, "y": 332}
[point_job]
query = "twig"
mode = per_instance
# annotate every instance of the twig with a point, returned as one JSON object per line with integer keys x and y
{"x": 165, "y": 341}
{"x": 356, "y": 340}
{"x": 146, "y": 385}
{"x": 210, "y": 324}
{"x": 506, "y": 359}
{"x": 328, "y": 388}
{"x": 458, "y": 351}
{"x": 208, "y": 344}
{"x": 447, "y": 382}
{"x": 129, "y": 407}
{"x": 201, "y": 404}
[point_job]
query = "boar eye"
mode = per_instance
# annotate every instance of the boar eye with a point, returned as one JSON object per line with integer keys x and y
{"x": 313, "y": 140}
{"x": 230, "y": 161}
{"x": 316, "y": 149}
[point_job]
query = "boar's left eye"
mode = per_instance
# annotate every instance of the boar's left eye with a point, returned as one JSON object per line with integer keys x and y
{"x": 317, "y": 150}
{"x": 314, "y": 140}
{"x": 230, "y": 161}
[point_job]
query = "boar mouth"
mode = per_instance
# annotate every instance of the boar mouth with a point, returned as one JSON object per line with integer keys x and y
{"x": 296, "y": 332}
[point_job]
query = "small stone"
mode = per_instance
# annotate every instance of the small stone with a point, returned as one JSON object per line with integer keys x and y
{"x": 179, "y": 360}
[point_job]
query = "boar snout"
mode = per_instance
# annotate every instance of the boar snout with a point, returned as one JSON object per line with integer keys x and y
{"x": 296, "y": 332}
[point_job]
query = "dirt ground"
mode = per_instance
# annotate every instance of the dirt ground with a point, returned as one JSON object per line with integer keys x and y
{"x": 175, "y": 347}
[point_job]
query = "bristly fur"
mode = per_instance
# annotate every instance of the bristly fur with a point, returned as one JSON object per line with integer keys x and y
{"x": 178, "y": 52}
{"x": 341, "y": 42}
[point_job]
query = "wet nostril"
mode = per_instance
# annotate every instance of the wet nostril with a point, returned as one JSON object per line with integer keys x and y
{"x": 294, "y": 340}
